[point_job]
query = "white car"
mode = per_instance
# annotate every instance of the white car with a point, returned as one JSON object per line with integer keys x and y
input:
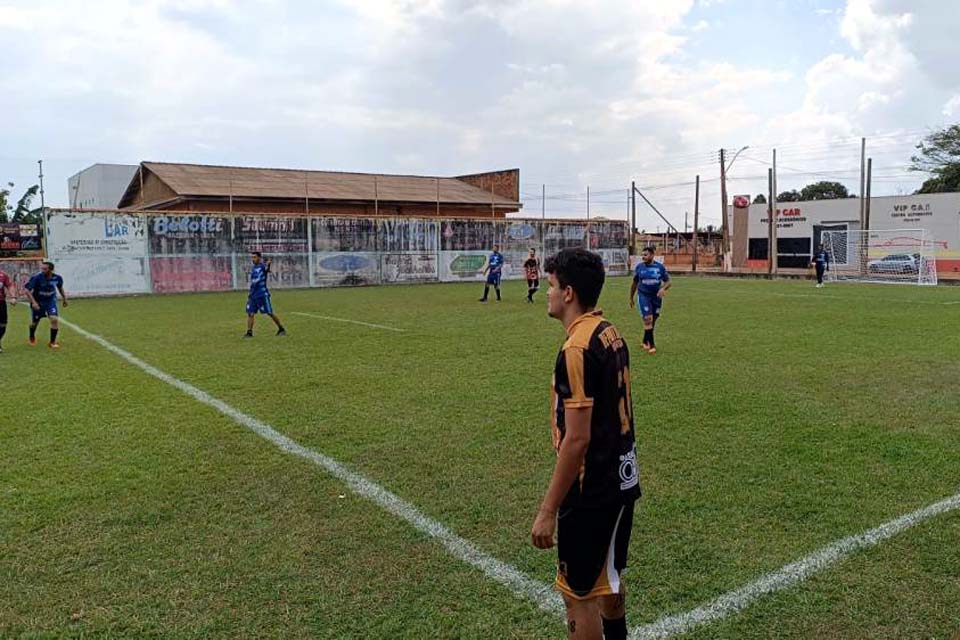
{"x": 895, "y": 263}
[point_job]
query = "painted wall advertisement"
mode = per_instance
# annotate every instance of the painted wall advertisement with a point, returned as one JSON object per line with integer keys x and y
{"x": 103, "y": 275}
{"x": 20, "y": 240}
{"x": 271, "y": 234}
{"x": 86, "y": 234}
{"x": 409, "y": 267}
{"x": 345, "y": 269}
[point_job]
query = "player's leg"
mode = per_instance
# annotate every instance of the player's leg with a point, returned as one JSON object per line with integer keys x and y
{"x": 529, "y": 290}
{"x": 820, "y": 270}
{"x": 54, "y": 328}
{"x": 583, "y": 619}
{"x": 496, "y": 287}
{"x": 251, "y": 310}
{"x": 613, "y": 610}
{"x": 486, "y": 291}
{"x": 35, "y": 316}
{"x": 3, "y": 321}
{"x": 276, "y": 320}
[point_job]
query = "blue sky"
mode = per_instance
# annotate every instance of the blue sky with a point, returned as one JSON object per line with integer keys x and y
{"x": 576, "y": 94}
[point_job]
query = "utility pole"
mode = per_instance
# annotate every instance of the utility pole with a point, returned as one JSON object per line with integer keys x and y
{"x": 43, "y": 204}
{"x": 771, "y": 225}
{"x": 863, "y": 179}
{"x": 869, "y": 188}
{"x": 725, "y": 242}
{"x": 686, "y": 221}
{"x": 696, "y": 224}
{"x": 633, "y": 217}
{"x": 543, "y": 201}
{"x": 776, "y": 242}
{"x": 588, "y": 202}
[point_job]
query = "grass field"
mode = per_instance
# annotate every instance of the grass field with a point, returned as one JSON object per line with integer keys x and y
{"x": 775, "y": 420}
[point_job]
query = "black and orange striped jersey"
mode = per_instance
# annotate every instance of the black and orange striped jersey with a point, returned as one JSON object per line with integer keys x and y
{"x": 593, "y": 370}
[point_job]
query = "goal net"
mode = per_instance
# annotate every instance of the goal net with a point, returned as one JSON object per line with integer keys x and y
{"x": 904, "y": 256}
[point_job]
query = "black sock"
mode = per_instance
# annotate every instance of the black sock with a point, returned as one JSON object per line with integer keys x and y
{"x": 647, "y": 336}
{"x": 615, "y": 629}
{"x": 498, "y": 292}
{"x": 53, "y": 335}
{"x": 249, "y": 332}
{"x": 486, "y": 292}
{"x": 33, "y": 332}
{"x": 3, "y": 330}
{"x": 651, "y": 343}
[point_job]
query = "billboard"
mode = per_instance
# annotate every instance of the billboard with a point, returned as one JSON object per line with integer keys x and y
{"x": 20, "y": 240}
{"x": 270, "y": 234}
{"x": 93, "y": 234}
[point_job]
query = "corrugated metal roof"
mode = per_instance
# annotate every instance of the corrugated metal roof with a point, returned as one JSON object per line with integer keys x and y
{"x": 250, "y": 182}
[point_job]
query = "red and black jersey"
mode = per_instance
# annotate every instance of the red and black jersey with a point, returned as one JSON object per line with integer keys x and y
{"x": 593, "y": 370}
{"x": 532, "y": 267}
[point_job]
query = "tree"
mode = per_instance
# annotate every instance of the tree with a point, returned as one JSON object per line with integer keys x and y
{"x": 22, "y": 213}
{"x": 824, "y": 190}
{"x": 939, "y": 155}
{"x": 789, "y": 196}
{"x": 760, "y": 199}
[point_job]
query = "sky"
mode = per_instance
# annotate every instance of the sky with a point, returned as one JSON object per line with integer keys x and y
{"x": 576, "y": 93}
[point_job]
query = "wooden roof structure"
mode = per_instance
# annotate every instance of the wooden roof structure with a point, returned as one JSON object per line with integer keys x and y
{"x": 183, "y": 181}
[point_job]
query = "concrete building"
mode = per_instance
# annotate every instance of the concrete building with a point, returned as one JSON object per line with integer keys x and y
{"x": 800, "y": 226}
{"x": 203, "y": 188}
{"x": 99, "y": 186}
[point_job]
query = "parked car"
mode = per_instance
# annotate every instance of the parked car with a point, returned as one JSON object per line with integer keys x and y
{"x": 900, "y": 263}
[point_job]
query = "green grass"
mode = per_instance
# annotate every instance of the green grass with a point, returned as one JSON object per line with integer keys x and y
{"x": 776, "y": 419}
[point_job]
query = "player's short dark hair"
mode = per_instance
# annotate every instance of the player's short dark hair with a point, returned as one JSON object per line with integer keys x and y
{"x": 580, "y": 269}
{"x": 650, "y": 249}
{"x": 256, "y": 253}
{"x": 48, "y": 263}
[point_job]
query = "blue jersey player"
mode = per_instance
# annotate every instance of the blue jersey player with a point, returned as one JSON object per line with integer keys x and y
{"x": 41, "y": 291}
{"x": 650, "y": 283}
{"x": 259, "y": 299}
{"x": 821, "y": 261}
{"x": 493, "y": 271}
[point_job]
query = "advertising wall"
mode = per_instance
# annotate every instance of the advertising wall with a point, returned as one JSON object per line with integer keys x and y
{"x": 99, "y": 253}
{"x": 20, "y": 240}
{"x": 123, "y": 253}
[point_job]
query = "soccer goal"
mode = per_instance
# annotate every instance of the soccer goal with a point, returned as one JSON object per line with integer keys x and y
{"x": 904, "y": 256}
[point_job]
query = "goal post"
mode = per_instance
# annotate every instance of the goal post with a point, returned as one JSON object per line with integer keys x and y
{"x": 894, "y": 256}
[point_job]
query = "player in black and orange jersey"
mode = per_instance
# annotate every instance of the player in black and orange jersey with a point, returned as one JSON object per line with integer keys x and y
{"x": 532, "y": 269}
{"x": 589, "y": 504}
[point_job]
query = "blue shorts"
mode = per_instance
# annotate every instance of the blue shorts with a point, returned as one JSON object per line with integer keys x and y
{"x": 494, "y": 279}
{"x": 649, "y": 305}
{"x": 259, "y": 304}
{"x": 45, "y": 311}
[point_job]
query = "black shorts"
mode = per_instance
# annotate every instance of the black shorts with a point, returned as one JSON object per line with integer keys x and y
{"x": 3, "y": 312}
{"x": 533, "y": 283}
{"x": 592, "y": 547}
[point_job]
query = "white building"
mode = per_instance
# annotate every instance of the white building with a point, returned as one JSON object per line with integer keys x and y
{"x": 800, "y": 225}
{"x": 99, "y": 186}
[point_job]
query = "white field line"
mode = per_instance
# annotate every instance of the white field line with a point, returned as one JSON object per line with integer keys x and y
{"x": 332, "y": 319}
{"x": 787, "y": 576}
{"x": 542, "y": 594}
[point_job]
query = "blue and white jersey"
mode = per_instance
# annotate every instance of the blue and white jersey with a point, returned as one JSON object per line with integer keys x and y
{"x": 496, "y": 263}
{"x": 44, "y": 289}
{"x": 649, "y": 278}
{"x": 821, "y": 259}
{"x": 258, "y": 280}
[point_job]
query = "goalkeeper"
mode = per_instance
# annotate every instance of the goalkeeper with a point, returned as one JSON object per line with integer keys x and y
{"x": 821, "y": 261}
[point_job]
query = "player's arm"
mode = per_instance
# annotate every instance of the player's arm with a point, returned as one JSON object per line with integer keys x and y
{"x": 565, "y": 473}
{"x": 11, "y": 288}
{"x": 33, "y": 301}
{"x": 665, "y": 285}
{"x": 63, "y": 294}
{"x": 633, "y": 290}
{"x": 267, "y": 262}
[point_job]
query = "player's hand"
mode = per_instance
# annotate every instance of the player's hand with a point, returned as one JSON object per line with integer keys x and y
{"x": 661, "y": 293}
{"x": 66, "y": 304}
{"x": 13, "y": 302}
{"x": 543, "y": 529}
{"x": 633, "y": 302}
{"x": 35, "y": 306}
